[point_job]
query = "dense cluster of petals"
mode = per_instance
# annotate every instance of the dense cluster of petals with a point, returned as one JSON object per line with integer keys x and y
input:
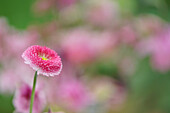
{"x": 43, "y": 59}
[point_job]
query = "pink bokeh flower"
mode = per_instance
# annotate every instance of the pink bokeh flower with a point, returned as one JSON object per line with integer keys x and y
{"x": 160, "y": 51}
{"x": 19, "y": 41}
{"x": 158, "y": 47}
{"x": 102, "y": 13}
{"x": 148, "y": 24}
{"x": 127, "y": 35}
{"x": 73, "y": 95}
{"x": 22, "y": 99}
{"x": 43, "y": 59}
{"x": 8, "y": 81}
{"x": 12, "y": 74}
{"x": 65, "y": 3}
{"x": 81, "y": 45}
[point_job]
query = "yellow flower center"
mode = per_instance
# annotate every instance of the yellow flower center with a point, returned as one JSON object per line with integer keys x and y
{"x": 44, "y": 58}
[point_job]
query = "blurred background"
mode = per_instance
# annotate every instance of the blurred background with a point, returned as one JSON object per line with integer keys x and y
{"x": 115, "y": 54}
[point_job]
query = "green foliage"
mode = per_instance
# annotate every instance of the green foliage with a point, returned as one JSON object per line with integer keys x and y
{"x": 157, "y": 7}
{"x": 20, "y": 13}
{"x": 104, "y": 68}
{"x": 127, "y": 6}
{"x": 6, "y": 104}
{"x": 149, "y": 89}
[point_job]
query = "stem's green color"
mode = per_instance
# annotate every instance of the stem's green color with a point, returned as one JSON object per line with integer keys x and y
{"x": 33, "y": 92}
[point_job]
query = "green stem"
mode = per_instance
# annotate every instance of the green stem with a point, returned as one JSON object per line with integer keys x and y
{"x": 33, "y": 92}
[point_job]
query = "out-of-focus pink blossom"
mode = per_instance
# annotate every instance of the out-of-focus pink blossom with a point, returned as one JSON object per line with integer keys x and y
{"x": 43, "y": 59}
{"x": 68, "y": 73}
{"x": 78, "y": 47}
{"x": 8, "y": 81}
{"x": 158, "y": 47}
{"x": 160, "y": 52}
{"x": 103, "y": 42}
{"x": 148, "y": 24}
{"x": 13, "y": 73}
{"x": 144, "y": 47}
{"x": 64, "y": 3}
{"x": 102, "y": 13}
{"x": 22, "y": 100}
{"x": 23, "y": 71}
{"x": 19, "y": 42}
{"x": 73, "y": 95}
{"x": 82, "y": 45}
{"x": 127, "y": 35}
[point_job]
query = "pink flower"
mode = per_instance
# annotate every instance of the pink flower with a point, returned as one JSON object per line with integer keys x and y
{"x": 65, "y": 3}
{"x": 43, "y": 59}
{"x": 22, "y": 100}
{"x": 19, "y": 41}
{"x": 158, "y": 47}
{"x": 8, "y": 81}
{"x": 148, "y": 24}
{"x": 73, "y": 95}
{"x": 127, "y": 35}
{"x": 160, "y": 52}
{"x": 12, "y": 74}
{"x": 102, "y": 13}
{"x": 81, "y": 45}
{"x": 78, "y": 47}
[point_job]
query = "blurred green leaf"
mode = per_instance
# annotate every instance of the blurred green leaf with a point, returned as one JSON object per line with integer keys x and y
{"x": 6, "y": 104}
{"x": 157, "y": 7}
{"x": 104, "y": 69}
{"x": 20, "y": 13}
{"x": 150, "y": 89}
{"x": 127, "y": 6}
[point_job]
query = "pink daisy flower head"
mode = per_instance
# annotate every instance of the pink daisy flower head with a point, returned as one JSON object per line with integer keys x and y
{"x": 43, "y": 59}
